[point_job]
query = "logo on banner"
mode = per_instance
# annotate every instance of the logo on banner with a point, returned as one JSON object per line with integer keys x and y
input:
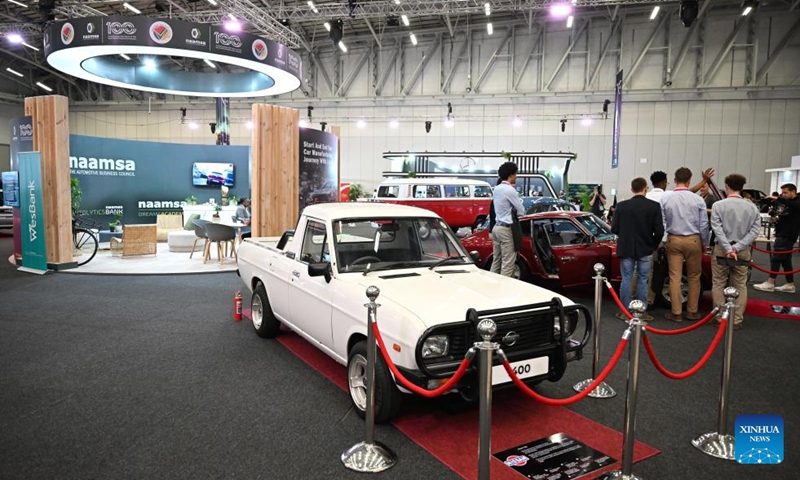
{"x": 294, "y": 62}
{"x": 102, "y": 166}
{"x": 161, "y": 32}
{"x": 67, "y": 33}
{"x": 516, "y": 460}
{"x": 195, "y": 41}
{"x": 195, "y": 33}
{"x": 260, "y": 49}
{"x": 121, "y": 31}
{"x": 90, "y": 27}
{"x": 90, "y": 35}
{"x": 225, "y": 39}
{"x": 32, "y": 210}
{"x": 759, "y": 439}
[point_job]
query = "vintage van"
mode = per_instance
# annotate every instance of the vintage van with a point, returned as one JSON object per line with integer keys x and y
{"x": 460, "y": 202}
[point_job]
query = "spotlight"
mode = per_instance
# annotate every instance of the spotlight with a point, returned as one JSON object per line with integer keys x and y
{"x": 285, "y": 22}
{"x": 688, "y": 12}
{"x": 303, "y": 123}
{"x": 586, "y": 122}
{"x": 563, "y": 124}
{"x": 392, "y": 21}
{"x": 361, "y": 124}
{"x": 183, "y": 114}
{"x": 351, "y": 5}
{"x": 428, "y": 126}
{"x": 394, "y": 124}
{"x": 193, "y": 126}
{"x": 322, "y": 125}
{"x": 749, "y": 5}
{"x": 560, "y": 10}
{"x": 249, "y": 125}
{"x": 449, "y": 123}
{"x": 213, "y": 126}
{"x": 232, "y": 26}
{"x": 605, "y": 106}
{"x": 310, "y": 109}
{"x": 14, "y": 38}
{"x": 449, "y": 109}
{"x": 337, "y": 31}
{"x": 517, "y": 122}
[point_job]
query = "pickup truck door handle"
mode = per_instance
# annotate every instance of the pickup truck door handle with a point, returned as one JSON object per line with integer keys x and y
{"x": 567, "y": 259}
{"x": 296, "y": 274}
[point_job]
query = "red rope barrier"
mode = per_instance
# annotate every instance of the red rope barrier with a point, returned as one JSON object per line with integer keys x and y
{"x": 657, "y": 331}
{"x": 688, "y": 373}
{"x": 784, "y": 252}
{"x": 691, "y": 327}
{"x": 762, "y": 269}
{"x": 444, "y": 388}
{"x": 575, "y": 398}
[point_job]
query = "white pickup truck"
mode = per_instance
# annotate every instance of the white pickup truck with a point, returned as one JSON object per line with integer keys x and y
{"x": 432, "y": 296}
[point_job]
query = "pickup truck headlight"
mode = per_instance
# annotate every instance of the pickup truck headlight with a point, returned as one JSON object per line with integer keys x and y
{"x": 436, "y": 346}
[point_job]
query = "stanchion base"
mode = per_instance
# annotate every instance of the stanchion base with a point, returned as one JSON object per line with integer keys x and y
{"x": 602, "y": 391}
{"x": 369, "y": 458}
{"x": 716, "y": 445}
{"x": 618, "y": 475}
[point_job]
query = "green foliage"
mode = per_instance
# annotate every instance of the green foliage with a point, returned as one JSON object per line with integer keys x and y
{"x": 506, "y": 155}
{"x": 412, "y": 174}
{"x": 356, "y": 191}
{"x": 76, "y": 193}
{"x": 191, "y": 200}
{"x": 217, "y": 207}
{"x": 586, "y": 198}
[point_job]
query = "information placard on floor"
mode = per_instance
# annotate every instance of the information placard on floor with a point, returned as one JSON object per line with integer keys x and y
{"x": 557, "y": 457}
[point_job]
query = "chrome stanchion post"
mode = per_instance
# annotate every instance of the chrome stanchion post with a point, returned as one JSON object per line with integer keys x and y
{"x": 720, "y": 444}
{"x": 486, "y": 329}
{"x": 637, "y": 308}
{"x": 370, "y": 456}
{"x": 603, "y": 390}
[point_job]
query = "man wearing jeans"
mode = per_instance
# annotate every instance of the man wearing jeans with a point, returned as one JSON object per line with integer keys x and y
{"x": 505, "y": 200}
{"x": 639, "y": 226}
{"x": 736, "y": 223}
{"x": 686, "y": 223}
{"x": 786, "y": 214}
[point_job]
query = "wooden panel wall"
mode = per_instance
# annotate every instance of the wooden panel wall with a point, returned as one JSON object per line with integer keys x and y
{"x": 51, "y": 138}
{"x": 275, "y": 169}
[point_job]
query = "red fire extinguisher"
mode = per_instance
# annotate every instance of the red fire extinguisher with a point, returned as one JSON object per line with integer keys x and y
{"x": 237, "y": 307}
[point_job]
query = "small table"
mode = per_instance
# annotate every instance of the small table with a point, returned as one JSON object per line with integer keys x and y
{"x": 238, "y": 226}
{"x": 105, "y": 236}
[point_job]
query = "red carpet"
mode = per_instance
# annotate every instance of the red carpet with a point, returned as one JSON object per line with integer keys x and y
{"x": 452, "y": 437}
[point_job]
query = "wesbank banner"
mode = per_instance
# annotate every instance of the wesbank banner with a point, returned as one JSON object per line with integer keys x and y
{"x": 34, "y": 254}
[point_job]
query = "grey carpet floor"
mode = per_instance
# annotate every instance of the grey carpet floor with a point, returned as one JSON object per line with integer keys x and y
{"x": 121, "y": 377}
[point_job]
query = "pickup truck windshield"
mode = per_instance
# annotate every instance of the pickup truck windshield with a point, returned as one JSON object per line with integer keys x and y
{"x": 399, "y": 242}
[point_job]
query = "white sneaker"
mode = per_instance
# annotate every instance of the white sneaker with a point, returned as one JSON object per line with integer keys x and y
{"x": 786, "y": 288}
{"x": 765, "y": 287}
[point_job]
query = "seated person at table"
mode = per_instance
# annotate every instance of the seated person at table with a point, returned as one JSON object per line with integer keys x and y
{"x": 243, "y": 216}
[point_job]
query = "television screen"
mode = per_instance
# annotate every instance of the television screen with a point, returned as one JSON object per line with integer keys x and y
{"x": 10, "y": 189}
{"x": 213, "y": 174}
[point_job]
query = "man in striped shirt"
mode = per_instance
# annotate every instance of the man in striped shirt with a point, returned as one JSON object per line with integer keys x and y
{"x": 686, "y": 224}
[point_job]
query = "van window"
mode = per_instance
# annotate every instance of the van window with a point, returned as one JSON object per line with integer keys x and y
{"x": 315, "y": 246}
{"x": 427, "y": 191}
{"x": 390, "y": 191}
{"x": 482, "y": 191}
{"x": 456, "y": 191}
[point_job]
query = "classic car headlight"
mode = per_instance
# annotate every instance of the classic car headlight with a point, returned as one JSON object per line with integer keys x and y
{"x": 436, "y": 346}
{"x": 571, "y": 322}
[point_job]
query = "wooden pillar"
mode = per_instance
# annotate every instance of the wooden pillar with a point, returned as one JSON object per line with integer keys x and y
{"x": 275, "y": 171}
{"x": 51, "y": 139}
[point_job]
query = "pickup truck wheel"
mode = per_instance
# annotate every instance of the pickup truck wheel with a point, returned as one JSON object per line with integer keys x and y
{"x": 387, "y": 396}
{"x": 265, "y": 323}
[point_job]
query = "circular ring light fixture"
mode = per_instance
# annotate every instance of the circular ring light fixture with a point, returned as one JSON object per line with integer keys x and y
{"x": 91, "y": 49}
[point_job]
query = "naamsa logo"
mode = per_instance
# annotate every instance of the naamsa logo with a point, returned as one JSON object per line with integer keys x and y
{"x": 195, "y": 33}
{"x": 102, "y": 166}
{"x": 516, "y": 460}
{"x": 759, "y": 439}
{"x": 67, "y": 33}
{"x": 161, "y": 32}
{"x": 260, "y": 49}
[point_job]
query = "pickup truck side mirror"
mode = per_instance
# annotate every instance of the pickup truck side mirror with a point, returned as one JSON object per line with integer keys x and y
{"x": 320, "y": 269}
{"x": 476, "y": 257}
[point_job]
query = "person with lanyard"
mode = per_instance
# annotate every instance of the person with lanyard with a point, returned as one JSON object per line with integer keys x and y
{"x": 786, "y": 214}
{"x": 686, "y": 225}
{"x": 736, "y": 223}
{"x": 505, "y": 202}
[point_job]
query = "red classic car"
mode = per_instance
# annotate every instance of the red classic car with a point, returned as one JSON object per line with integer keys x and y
{"x": 562, "y": 248}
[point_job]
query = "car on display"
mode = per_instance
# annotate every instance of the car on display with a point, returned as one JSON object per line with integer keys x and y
{"x": 560, "y": 248}
{"x": 460, "y": 202}
{"x": 215, "y": 178}
{"x": 432, "y": 295}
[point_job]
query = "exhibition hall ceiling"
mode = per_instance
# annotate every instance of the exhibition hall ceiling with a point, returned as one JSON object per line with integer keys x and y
{"x": 314, "y": 29}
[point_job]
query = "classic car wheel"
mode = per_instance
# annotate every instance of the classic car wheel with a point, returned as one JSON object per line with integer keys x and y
{"x": 684, "y": 290}
{"x": 521, "y": 271}
{"x": 265, "y": 323}
{"x": 387, "y": 396}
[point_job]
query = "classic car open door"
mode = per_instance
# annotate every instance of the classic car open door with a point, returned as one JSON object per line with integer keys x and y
{"x": 574, "y": 252}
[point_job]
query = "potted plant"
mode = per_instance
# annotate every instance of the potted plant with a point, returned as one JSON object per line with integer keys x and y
{"x": 76, "y": 193}
{"x": 116, "y": 225}
{"x": 191, "y": 200}
{"x": 217, "y": 208}
{"x": 355, "y": 192}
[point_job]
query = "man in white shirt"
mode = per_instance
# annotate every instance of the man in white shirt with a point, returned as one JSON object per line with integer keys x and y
{"x": 505, "y": 200}
{"x": 659, "y": 181}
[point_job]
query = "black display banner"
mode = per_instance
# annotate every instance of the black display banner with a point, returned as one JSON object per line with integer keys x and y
{"x": 319, "y": 167}
{"x": 21, "y": 141}
{"x": 557, "y": 457}
{"x": 617, "y": 121}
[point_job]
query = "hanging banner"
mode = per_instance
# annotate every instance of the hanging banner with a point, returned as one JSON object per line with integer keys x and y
{"x": 223, "y": 121}
{"x": 34, "y": 255}
{"x": 319, "y": 167}
{"x": 617, "y": 120}
{"x": 21, "y": 141}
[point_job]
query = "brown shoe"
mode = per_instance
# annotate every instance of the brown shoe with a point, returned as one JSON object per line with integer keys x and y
{"x": 693, "y": 316}
{"x": 715, "y": 322}
{"x": 674, "y": 318}
{"x": 647, "y": 317}
{"x": 738, "y": 326}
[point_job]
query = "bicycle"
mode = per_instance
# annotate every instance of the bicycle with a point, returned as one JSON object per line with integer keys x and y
{"x": 84, "y": 239}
